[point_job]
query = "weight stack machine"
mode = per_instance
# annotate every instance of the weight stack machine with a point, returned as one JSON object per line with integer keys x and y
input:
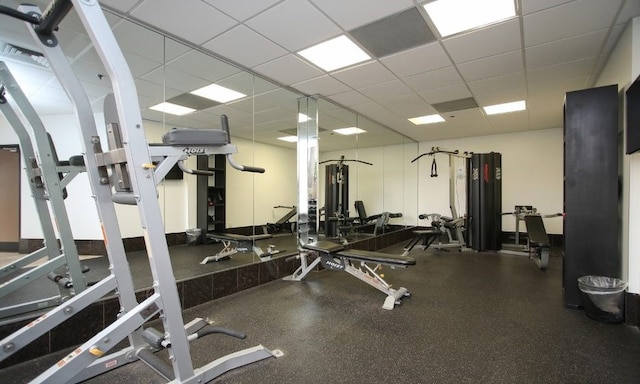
{"x": 484, "y": 202}
{"x": 336, "y": 196}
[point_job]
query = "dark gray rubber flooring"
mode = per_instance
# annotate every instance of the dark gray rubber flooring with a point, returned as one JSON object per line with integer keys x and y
{"x": 472, "y": 318}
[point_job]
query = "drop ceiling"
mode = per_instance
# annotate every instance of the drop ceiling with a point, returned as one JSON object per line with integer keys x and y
{"x": 551, "y": 47}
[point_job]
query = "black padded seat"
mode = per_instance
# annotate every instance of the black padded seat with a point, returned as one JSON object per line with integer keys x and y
{"x": 334, "y": 249}
{"x": 536, "y": 231}
{"x": 195, "y": 137}
{"x": 377, "y": 257}
{"x": 238, "y": 237}
{"x": 324, "y": 246}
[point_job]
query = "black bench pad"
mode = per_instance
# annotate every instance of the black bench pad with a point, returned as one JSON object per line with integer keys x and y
{"x": 536, "y": 231}
{"x": 377, "y": 257}
{"x": 324, "y": 246}
{"x": 329, "y": 247}
{"x": 237, "y": 237}
{"x": 195, "y": 137}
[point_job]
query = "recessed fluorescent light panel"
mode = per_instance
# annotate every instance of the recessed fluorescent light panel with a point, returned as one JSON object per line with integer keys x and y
{"x": 289, "y": 139}
{"x": 218, "y": 93}
{"x": 455, "y": 16}
{"x": 349, "y": 131}
{"x": 505, "y": 108}
{"x": 173, "y": 109}
{"x": 335, "y": 53}
{"x": 429, "y": 119}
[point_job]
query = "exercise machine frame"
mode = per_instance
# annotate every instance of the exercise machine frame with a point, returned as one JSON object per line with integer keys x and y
{"x": 128, "y": 168}
{"x": 455, "y": 222}
{"x": 48, "y": 179}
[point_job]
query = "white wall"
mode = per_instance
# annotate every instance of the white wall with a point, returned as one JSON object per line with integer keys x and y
{"x": 622, "y": 68}
{"x": 252, "y": 196}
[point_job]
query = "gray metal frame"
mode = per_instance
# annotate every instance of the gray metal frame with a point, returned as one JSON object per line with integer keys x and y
{"x": 128, "y": 168}
{"x": 47, "y": 191}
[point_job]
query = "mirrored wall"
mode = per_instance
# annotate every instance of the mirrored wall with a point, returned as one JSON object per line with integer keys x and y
{"x": 260, "y": 113}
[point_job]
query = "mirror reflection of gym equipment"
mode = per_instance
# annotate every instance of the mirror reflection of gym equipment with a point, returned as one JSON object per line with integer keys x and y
{"x": 126, "y": 173}
{"x": 336, "y": 197}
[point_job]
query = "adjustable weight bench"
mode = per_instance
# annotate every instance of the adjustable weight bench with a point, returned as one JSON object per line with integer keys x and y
{"x": 333, "y": 256}
{"x": 283, "y": 222}
{"x": 243, "y": 244}
{"x": 538, "y": 240}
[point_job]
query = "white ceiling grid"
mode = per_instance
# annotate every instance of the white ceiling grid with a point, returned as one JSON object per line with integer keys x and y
{"x": 551, "y": 47}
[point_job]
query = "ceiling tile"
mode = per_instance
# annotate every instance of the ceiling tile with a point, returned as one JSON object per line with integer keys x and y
{"x": 120, "y": 5}
{"x": 139, "y": 65}
{"x": 288, "y": 70}
{"x": 492, "y": 66}
{"x": 434, "y": 79}
{"x": 453, "y": 92}
{"x": 585, "y": 15}
{"x": 171, "y": 78}
{"x": 294, "y": 24}
{"x": 417, "y": 60}
{"x": 560, "y": 72}
{"x": 493, "y": 40}
{"x": 204, "y": 66}
{"x": 323, "y": 85}
{"x": 242, "y": 82}
{"x": 354, "y": 13}
{"x": 364, "y": 75}
{"x": 261, "y": 51}
{"x": 568, "y": 49}
{"x": 513, "y": 80}
{"x": 242, "y": 10}
{"x": 493, "y": 98}
{"x": 151, "y": 89}
{"x": 279, "y": 98}
{"x": 139, "y": 40}
{"x": 386, "y": 91}
{"x": 185, "y": 22}
{"x": 408, "y": 106}
{"x": 379, "y": 113}
{"x": 350, "y": 98}
{"x": 531, "y": 6}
